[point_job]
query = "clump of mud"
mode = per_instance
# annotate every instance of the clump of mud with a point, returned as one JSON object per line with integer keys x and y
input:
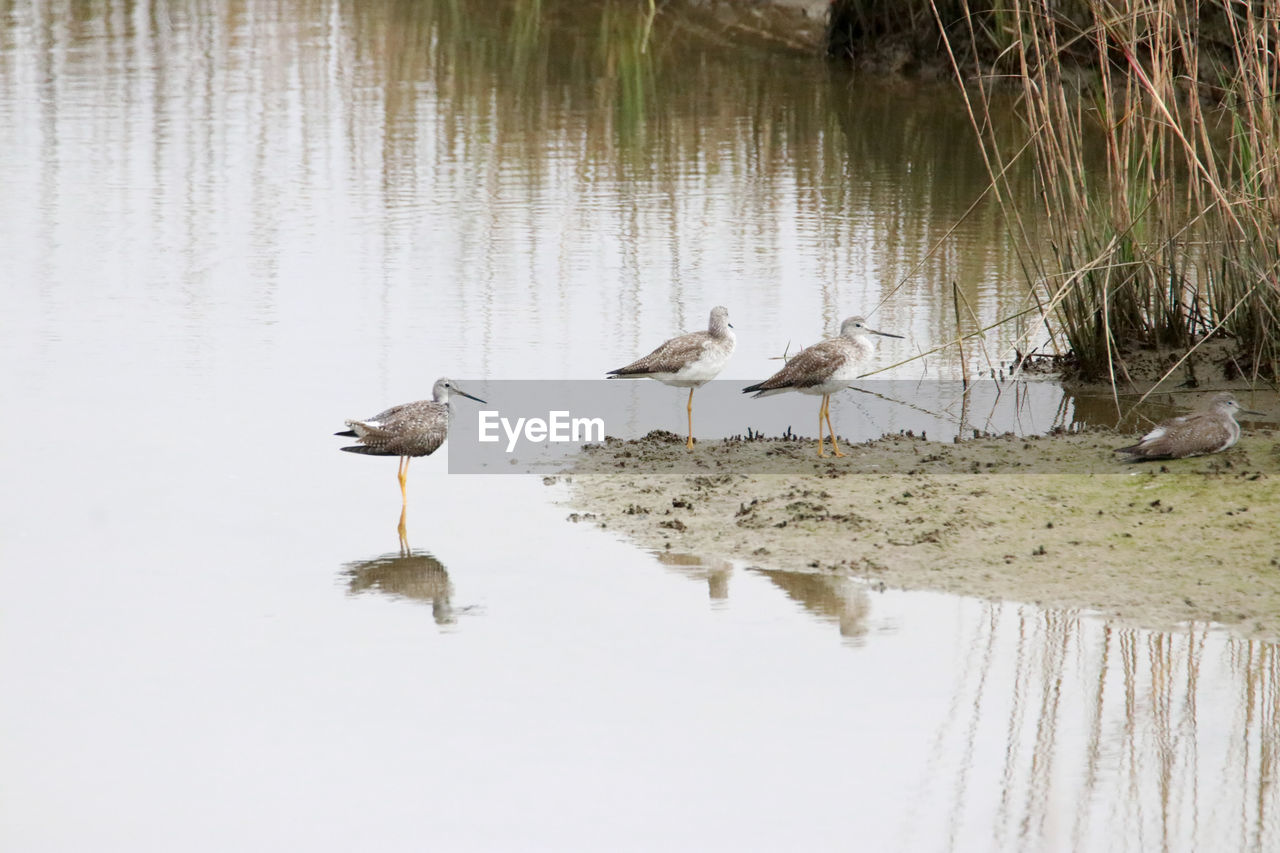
{"x": 1053, "y": 520}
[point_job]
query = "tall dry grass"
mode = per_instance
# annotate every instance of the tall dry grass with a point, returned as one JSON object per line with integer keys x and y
{"x": 1155, "y": 136}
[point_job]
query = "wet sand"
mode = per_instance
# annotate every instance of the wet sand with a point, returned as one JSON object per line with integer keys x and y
{"x": 1055, "y": 520}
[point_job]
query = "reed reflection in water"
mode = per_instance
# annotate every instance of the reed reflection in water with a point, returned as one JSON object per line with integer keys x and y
{"x": 507, "y": 169}
{"x": 1113, "y": 738}
{"x": 1067, "y": 731}
{"x": 733, "y": 165}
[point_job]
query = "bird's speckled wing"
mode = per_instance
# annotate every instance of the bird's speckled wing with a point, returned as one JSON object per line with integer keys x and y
{"x": 1165, "y": 427}
{"x": 1205, "y": 432}
{"x": 809, "y": 367}
{"x": 671, "y": 357}
{"x": 411, "y": 429}
{"x": 1188, "y": 435}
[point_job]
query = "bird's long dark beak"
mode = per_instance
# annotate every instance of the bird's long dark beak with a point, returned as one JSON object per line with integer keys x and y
{"x": 458, "y": 390}
{"x": 1252, "y": 412}
{"x": 884, "y": 334}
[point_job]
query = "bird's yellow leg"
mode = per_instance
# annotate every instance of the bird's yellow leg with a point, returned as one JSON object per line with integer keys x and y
{"x": 689, "y": 443}
{"x": 832, "y": 430}
{"x": 403, "y": 475}
{"x": 821, "y": 408}
{"x": 404, "y": 533}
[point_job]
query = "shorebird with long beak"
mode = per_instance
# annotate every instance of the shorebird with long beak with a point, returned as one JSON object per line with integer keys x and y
{"x": 688, "y": 361}
{"x": 407, "y": 430}
{"x": 1211, "y": 430}
{"x": 824, "y": 368}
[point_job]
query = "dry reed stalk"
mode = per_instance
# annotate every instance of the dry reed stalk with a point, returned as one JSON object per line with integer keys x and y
{"x": 1157, "y": 164}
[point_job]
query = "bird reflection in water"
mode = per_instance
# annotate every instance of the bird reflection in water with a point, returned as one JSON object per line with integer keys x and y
{"x": 844, "y": 601}
{"x": 714, "y": 572}
{"x": 417, "y": 576}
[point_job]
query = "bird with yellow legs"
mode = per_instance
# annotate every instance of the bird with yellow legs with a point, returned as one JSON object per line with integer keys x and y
{"x": 823, "y": 369}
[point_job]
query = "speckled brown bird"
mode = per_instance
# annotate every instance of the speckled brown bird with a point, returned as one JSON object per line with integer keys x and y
{"x": 687, "y": 361}
{"x": 407, "y": 430}
{"x": 824, "y": 368}
{"x": 1211, "y": 430}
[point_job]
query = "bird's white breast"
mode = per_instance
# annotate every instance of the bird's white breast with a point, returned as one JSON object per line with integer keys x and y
{"x": 715, "y": 355}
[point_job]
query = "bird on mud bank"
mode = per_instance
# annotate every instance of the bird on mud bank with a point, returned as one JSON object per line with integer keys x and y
{"x": 1213, "y": 429}
{"x": 824, "y": 368}
{"x": 407, "y": 430}
{"x": 688, "y": 361}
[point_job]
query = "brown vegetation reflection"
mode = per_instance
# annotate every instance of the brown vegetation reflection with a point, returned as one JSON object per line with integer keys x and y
{"x": 658, "y": 129}
{"x": 580, "y": 125}
{"x": 1112, "y": 738}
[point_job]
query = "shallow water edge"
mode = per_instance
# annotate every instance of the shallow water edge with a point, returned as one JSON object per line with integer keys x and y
{"x": 1155, "y": 544}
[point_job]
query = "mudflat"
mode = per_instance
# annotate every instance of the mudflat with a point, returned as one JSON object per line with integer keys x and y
{"x": 1053, "y": 520}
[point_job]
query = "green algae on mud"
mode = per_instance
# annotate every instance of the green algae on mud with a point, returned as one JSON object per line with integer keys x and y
{"x": 1053, "y": 520}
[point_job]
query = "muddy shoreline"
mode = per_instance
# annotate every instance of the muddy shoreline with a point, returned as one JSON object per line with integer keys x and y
{"x": 1053, "y": 521}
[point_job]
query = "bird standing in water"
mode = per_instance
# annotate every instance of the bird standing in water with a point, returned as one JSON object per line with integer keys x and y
{"x": 688, "y": 361}
{"x": 824, "y": 368}
{"x": 407, "y": 430}
{"x": 1210, "y": 430}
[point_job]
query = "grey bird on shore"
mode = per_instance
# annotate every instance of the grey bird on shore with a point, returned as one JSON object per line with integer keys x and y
{"x": 1211, "y": 430}
{"x": 687, "y": 361}
{"x": 824, "y": 368}
{"x": 407, "y": 430}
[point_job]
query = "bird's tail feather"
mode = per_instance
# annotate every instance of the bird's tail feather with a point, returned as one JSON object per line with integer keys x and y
{"x": 349, "y": 433}
{"x": 366, "y": 450}
{"x": 763, "y": 389}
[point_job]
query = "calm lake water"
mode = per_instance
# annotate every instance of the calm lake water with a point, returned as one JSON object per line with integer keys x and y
{"x": 226, "y": 227}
